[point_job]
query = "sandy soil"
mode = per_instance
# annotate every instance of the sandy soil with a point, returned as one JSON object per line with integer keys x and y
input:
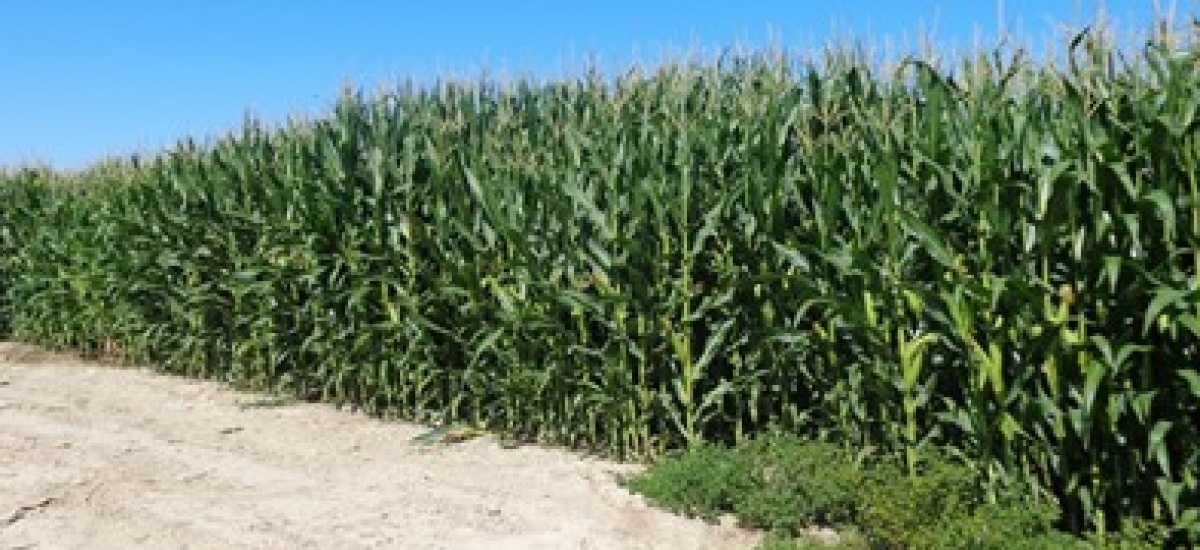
{"x": 96, "y": 456}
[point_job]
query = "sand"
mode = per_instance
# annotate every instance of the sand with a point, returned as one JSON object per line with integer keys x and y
{"x": 99, "y": 456}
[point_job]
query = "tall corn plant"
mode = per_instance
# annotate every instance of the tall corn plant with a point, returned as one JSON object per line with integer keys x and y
{"x": 23, "y": 193}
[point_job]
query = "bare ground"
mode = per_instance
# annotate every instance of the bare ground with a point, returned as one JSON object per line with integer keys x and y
{"x": 96, "y": 456}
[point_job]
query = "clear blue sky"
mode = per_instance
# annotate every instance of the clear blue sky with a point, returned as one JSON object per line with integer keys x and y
{"x": 84, "y": 79}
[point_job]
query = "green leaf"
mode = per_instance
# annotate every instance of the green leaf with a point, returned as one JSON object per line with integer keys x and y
{"x": 927, "y": 236}
{"x": 1162, "y": 299}
{"x": 1190, "y": 519}
{"x": 1190, "y": 322}
{"x": 1170, "y": 493}
{"x": 1156, "y": 447}
{"x": 1166, "y": 211}
{"x": 1192, "y": 377}
{"x": 708, "y": 229}
{"x": 714, "y": 396}
{"x": 1111, "y": 271}
{"x": 1045, "y": 187}
{"x": 713, "y": 345}
{"x": 1096, "y": 372}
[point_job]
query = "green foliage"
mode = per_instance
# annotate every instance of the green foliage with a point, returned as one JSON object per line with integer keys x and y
{"x": 797, "y": 484}
{"x": 1140, "y": 534}
{"x": 1014, "y": 524}
{"x": 24, "y": 195}
{"x": 997, "y": 257}
{"x": 779, "y": 483}
{"x": 899, "y": 508}
{"x": 943, "y": 507}
{"x": 775, "y": 542}
{"x": 873, "y": 504}
{"x": 704, "y": 482}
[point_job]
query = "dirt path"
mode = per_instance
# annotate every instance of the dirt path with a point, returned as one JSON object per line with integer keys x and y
{"x": 95, "y": 456}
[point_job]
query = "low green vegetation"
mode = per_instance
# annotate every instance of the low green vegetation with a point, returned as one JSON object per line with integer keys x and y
{"x": 993, "y": 258}
{"x": 788, "y": 486}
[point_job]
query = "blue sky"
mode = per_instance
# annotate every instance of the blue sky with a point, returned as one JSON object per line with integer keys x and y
{"x": 85, "y": 79}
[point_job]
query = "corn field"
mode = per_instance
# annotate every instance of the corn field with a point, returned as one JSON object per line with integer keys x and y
{"x": 997, "y": 257}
